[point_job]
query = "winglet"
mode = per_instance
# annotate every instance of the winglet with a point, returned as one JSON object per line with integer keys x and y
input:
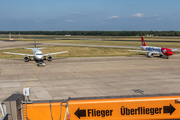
{"x": 143, "y": 42}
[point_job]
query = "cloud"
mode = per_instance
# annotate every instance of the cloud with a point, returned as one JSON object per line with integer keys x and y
{"x": 155, "y": 15}
{"x": 86, "y": 14}
{"x": 113, "y": 17}
{"x": 75, "y": 12}
{"x": 37, "y": 21}
{"x": 70, "y": 21}
{"x": 139, "y": 15}
{"x": 159, "y": 19}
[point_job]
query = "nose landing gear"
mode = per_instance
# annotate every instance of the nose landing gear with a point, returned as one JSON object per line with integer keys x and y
{"x": 41, "y": 63}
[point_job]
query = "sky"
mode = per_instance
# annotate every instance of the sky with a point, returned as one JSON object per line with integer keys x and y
{"x": 89, "y": 15}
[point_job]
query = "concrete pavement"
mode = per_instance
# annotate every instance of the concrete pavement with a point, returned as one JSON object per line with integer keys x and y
{"x": 86, "y": 77}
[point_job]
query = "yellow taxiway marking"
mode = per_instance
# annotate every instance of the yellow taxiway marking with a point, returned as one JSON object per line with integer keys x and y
{"x": 32, "y": 77}
{"x": 173, "y": 63}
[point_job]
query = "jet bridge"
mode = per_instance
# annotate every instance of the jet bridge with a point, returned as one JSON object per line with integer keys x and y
{"x": 132, "y": 107}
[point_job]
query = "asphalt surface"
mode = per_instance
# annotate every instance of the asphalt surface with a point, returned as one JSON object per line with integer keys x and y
{"x": 17, "y": 44}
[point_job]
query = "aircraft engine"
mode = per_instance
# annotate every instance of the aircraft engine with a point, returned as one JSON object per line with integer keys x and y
{"x": 49, "y": 58}
{"x": 150, "y": 54}
{"x": 26, "y": 59}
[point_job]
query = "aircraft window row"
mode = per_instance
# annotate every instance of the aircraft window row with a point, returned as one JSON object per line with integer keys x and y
{"x": 153, "y": 49}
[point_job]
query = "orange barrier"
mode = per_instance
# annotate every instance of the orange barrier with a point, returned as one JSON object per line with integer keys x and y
{"x": 45, "y": 111}
{"x": 135, "y": 108}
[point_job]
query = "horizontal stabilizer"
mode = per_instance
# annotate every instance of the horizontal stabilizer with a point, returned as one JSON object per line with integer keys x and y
{"x": 33, "y": 48}
{"x": 28, "y": 48}
{"x": 42, "y": 48}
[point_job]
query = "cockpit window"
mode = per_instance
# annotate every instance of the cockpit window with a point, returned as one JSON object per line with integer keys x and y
{"x": 39, "y": 54}
{"x": 169, "y": 51}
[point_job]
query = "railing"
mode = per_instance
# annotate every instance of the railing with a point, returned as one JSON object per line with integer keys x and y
{"x": 5, "y": 117}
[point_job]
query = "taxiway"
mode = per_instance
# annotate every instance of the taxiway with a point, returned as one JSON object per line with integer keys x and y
{"x": 85, "y": 77}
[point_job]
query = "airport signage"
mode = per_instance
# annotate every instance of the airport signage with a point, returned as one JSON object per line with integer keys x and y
{"x": 125, "y": 111}
{"x": 147, "y": 111}
{"x": 129, "y": 108}
{"x": 93, "y": 113}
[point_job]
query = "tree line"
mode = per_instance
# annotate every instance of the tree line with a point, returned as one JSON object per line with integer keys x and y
{"x": 94, "y": 33}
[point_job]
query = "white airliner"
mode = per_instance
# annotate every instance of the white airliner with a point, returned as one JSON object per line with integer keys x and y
{"x": 38, "y": 55}
{"x": 150, "y": 50}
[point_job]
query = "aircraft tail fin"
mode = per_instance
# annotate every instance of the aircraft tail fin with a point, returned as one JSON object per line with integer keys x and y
{"x": 34, "y": 43}
{"x": 143, "y": 42}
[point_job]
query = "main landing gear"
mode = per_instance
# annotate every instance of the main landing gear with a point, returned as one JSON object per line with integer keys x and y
{"x": 167, "y": 57}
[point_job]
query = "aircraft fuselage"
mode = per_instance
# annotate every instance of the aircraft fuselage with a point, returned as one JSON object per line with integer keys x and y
{"x": 38, "y": 54}
{"x": 158, "y": 50}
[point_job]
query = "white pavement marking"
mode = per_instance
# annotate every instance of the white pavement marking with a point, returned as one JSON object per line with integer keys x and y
{"x": 17, "y": 80}
{"x": 11, "y": 84}
{"x": 27, "y": 79}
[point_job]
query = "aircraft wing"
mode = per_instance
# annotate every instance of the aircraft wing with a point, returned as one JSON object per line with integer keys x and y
{"x": 18, "y": 54}
{"x": 54, "y": 53}
{"x": 138, "y": 51}
{"x": 144, "y": 51}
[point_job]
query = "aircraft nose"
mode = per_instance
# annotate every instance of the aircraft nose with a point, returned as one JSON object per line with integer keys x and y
{"x": 170, "y": 53}
{"x": 39, "y": 57}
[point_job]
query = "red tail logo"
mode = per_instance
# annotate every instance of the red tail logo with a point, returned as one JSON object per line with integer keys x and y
{"x": 143, "y": 42}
